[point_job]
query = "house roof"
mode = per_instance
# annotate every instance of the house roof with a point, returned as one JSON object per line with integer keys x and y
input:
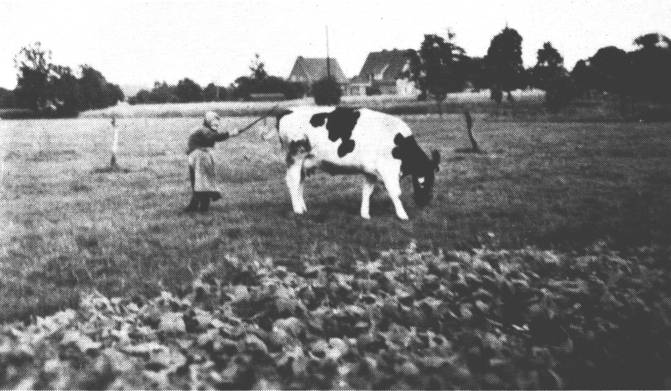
{"x": 388, "y": 63}
{"x": 314, "y": 69}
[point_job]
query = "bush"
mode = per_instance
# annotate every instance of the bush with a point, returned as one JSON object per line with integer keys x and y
{"x": 326, "y": 92}
{"x": 294, "y": 90}
{"x": 560, "y": 91}
{"x": 7, "y": 98}
{"x": 370, "y": 91}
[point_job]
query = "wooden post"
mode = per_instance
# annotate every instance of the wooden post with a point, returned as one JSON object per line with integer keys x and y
{"x": 115, "y": 144}
{"x": 469, "y": 129}
{"x": 475, "y": 148}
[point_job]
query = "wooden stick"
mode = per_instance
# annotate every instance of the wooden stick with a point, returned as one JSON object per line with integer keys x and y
{"x": 115, "y": 144}
{"x": 259, "y": 119}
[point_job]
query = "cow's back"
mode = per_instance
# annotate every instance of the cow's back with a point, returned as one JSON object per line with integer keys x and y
{"x": 373, "y": 133}
{"x": 295, "y": 124}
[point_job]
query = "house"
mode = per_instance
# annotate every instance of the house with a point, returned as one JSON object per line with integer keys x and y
{"x": 310, "y": 70}
{"x": 382, "y": 73}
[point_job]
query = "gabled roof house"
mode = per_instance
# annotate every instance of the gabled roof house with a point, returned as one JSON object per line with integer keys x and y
{"x": 310, "y": 70}
{"x": 382, "y": 72}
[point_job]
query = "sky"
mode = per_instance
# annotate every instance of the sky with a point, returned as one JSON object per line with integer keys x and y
{"x": 137, "y": 42}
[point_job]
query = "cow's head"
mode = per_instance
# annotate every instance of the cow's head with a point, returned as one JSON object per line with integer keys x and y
{"x": 339, "y": 124}
{"x": 415, "y": 162}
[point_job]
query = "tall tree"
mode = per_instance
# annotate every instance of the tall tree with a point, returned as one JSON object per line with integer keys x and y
{"x": 582, "y": 76}
{"x": 476, "y": 73}
{"x": 92, "y": 84}
{"x": 652, "y": 40}
{"x": 7, "y": 98}
{"x": 33, "y": 64}
{"x": 163, "y": 93}
{"x": 258, "y": 68}
{"x": 188, "y": 90}
{"x": 212, "y": 93}
{"x": 259, "y": 81}
{"x": 504, "y": 63}
{"x": 65, "y": 91}
{"x": 610, "y": 66}
{"x": 549, "y": 66}
{"x": 550, "y": 75}
{"x": 53, "y": 90}
{"x": 439, "y": 67}
{"x": 96, "y": 91}
{"x": 650, "y": 72}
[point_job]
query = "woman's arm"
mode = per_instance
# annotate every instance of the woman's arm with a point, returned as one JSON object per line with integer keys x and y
{"x": 225, "y": 135}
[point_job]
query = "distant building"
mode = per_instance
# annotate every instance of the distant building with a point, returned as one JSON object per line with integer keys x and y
{"x": 382, "y": 73}
{"x": 310, "y": 70}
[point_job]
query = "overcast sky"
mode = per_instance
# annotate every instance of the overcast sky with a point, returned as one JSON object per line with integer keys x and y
{"x": 138, "y": 42}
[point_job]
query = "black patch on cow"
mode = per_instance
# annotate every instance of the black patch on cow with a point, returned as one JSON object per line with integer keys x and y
{"x": 346, "y": 147}
{"x": 340, "y": 123}
{"x": 318, "y": 119}
{"x": 413, "y": 160}
{"x": 297, "y": 147}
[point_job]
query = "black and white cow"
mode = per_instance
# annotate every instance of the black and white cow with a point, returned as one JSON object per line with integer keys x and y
{"x": 355, "y": 141}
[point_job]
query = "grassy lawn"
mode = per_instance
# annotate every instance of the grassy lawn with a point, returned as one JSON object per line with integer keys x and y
{"x": 526, "y": 101}
{"x": 69, "y": 226}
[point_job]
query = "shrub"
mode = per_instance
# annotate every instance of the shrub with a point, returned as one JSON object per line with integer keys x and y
{"x": 560, "y": 91}
{"x": 370, "y": 91}
{"x": 326, "y": 92}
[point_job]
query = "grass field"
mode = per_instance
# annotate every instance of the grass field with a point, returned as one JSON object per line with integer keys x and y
{"x": 528, "y": 105}
{"x": 527, "y": 100}
{"x": 69, "y": 226}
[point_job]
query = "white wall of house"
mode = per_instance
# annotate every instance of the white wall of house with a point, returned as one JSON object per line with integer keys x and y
{"x": 405, "y": 87}
{"x": 356, "y": 89}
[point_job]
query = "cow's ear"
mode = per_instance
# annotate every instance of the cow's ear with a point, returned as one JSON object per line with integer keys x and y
{"x": 318, "y": 119}
{"x": 398, "y": 139}
{"x": 435, "y": 159}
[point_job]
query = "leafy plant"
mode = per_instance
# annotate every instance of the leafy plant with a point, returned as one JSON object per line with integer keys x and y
{"x": 407, "y": 319}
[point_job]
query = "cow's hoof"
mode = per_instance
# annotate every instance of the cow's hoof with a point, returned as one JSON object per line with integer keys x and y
{"x": 365, "y": 217}
{"x": 403, "y": 217}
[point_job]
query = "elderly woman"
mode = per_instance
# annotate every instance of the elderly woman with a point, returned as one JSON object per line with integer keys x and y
{"x": 201, "y": 162}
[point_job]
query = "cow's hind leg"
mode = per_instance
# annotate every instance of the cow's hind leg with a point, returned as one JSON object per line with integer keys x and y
{"x": 391, "y": 182}
{"x": 294, "y": 179}
{"x": 366, "y": 192}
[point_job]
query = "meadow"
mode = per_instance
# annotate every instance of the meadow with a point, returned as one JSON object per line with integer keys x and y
{"x": 69, "y": 224}
{"x": 526, "y": 100}
{"x": 541, "y": 263}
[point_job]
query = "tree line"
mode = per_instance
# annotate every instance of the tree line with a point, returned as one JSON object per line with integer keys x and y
{"x": 52, "y": 90}
{"x": 256, "y": 85}
{"x": 441, "y": 66}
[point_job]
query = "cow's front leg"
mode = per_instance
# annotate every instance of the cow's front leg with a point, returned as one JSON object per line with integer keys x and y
{"x": 391, "y": 182}
{"x": 301, "y": 197}
{"x": 294, "y": 183}
{"x": 366, "y": 192}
